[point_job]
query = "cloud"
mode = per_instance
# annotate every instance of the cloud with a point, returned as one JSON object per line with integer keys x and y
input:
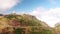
{"x": 8, "y": 4}
{"x": 52, "y": 1}
{"x": 51, "y": 16}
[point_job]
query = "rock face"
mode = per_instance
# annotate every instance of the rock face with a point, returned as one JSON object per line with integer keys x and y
{"x": 23, "y": 24}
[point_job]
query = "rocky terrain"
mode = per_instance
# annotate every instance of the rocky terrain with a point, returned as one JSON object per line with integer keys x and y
{"x": 24, "y": 24}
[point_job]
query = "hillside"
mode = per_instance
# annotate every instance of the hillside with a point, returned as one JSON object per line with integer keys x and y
{"x": 57, "y": 27}
{"x": 23, "y": 24}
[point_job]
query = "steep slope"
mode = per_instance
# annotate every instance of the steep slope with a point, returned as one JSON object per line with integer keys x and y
{"x": 25, "y": 19}
{"x": 24, "y": 22}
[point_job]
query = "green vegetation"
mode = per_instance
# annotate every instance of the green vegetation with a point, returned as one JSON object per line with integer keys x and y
{"x": 42, "y": 32}
{"x": 18, "y": 31}
{"x": 24, "y": 24}
{"x": 10, "y": 16}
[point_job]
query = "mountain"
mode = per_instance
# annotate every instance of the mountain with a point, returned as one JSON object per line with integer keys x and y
{"x": 57, "y": 27}
{"x": 24, "y": 20}
{"x": 23, "y": 24}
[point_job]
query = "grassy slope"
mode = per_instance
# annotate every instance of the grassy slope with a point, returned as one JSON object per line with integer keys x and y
{"x": 25, "y": 20}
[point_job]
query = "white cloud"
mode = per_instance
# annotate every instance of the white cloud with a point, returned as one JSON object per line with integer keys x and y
{"x": 8, "y": 4}
{"x": 51, "y": 16}
{"x": 52, "y": 1}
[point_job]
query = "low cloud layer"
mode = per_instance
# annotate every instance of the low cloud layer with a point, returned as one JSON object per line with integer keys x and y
{"x": 51, "y": 16}
{"x": 8, "y": 4}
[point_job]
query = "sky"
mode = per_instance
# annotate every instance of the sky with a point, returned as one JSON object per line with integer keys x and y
{"x": 45, "y": 10}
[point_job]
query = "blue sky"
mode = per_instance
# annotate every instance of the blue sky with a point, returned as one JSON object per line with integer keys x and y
{"x": 45, "y": 10}
{"x": 29, "y": 5}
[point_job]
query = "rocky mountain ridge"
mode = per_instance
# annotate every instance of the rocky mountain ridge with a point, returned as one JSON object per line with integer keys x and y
{"x": 28, "y": 24}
